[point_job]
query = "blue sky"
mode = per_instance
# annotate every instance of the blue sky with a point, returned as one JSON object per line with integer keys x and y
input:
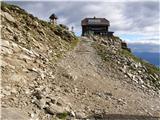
{"x": 135, "y": 22}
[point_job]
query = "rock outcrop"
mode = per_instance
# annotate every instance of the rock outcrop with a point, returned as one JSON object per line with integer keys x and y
{"x": 49, "y": 73}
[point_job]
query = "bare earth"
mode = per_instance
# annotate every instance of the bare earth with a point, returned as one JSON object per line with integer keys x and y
{"x": 99, "y": 89}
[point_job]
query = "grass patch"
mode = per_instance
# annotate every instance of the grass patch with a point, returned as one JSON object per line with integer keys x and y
{"x": 130, "y": 55}
{"x": 101, "y": 51}
{"x": 62, "y": 116}
{"x": 7, "y": 7}
{"x": 151, "y": 68}
{"x": 74, "y": 43}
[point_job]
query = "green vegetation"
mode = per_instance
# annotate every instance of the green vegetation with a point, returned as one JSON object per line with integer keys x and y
{"x": 62, "y": 116}
{"x": 151, "y": 68}
{"x": 115, "y": 38}
{"x": 7, "y": 7}
{"x": 106, "y": 56}
{"x": 128, "y": 54}
{"x": 101, "y": 51}
{"x": 45, "y": 23}
{"x": 74, "y": 43}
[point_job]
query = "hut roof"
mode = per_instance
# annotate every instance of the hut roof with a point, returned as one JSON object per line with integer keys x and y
{"x": 95, "y": 21}
{"x": 53, "y": 16}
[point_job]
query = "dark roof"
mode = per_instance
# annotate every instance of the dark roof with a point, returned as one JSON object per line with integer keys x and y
{"x": 95, "y": 21}
{"x": 53, "y": 16}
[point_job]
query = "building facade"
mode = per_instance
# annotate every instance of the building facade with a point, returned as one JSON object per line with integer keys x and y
{"x": 95, "y": 26}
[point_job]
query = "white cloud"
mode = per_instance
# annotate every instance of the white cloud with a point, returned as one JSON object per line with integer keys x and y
{"x": 62, "y": 20}
{"x": 90, "y": 0}
{"x": 154, "y": 42}
{"x": 125, "y": 17}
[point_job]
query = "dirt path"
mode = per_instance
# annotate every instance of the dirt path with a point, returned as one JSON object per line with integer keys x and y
{"x": 92, "y": 90}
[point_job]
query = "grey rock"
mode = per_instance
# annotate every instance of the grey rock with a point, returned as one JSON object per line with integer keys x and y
{"x": 5, "y": 43}
{"x": 57, "y": 88}
{"x": 121, "y": 101}
{"x": 54, "y": 109}
{"x": 68, "y": 75}
{"x": 104, "y": 95}
{"x": 38, "y": 94}
{"x": 72, "y": 114}
{"x": 152, "y": 77}
{"x": 6, "y": 50}
{"x": 9, "y": 29}
{"x": 80, "y": 115}
{"x": 14, "y": 91}
{"x": 6, "y": 92}
{"x": 49, "y": 110}
{"x": 156, "y": 76}
{"x": 129, "y": 75}
{"x": 25, "y": 57}
{"x": 140, "y": 81}
{"x": 40, "y": 103}
{"x": 60, "y": 102}
{"x": 8, "y": 16}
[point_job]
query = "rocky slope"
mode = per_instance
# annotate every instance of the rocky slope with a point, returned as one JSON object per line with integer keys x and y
{"x": 48, "y": 73}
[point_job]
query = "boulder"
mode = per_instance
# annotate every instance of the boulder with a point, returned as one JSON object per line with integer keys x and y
{"x": 40, "y": 103}
{"x": 54, "y": 109}
{"x": 8, "y": 16}
{"x": 60, "y": 102}
{"x": 80, "y": 115}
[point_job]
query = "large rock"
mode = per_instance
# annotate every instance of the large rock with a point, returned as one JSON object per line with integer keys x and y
{"x": 40, "y": 103}
{"x": 54, "y": 109}
{"x": 8, "y": 16}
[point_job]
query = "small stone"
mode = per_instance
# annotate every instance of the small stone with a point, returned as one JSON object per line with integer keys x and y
{"x": 42, "y": 75}
{"x": 121, "y": 102}
{"x": 7, "y": 88}
{"x": 49, "y": 110}
{"x": 13, "y": 90}
{"x": 35, "y": 23}
{"x": 5, "y": 43}
{"x": 27, "y": 91}
{"x": 38, "y": 95}
{"x": 9, "y": 29}
{"x": 80, "y": 115}
{"x": 40, "y": 103}
{"x": 156, "y": 75}
{"x": 53, "y": 101}
{"x": 60, "y": 102}
{"x": 57, "y": 88}
{"x": 24, "y": 57}
{"x": 73, "y": 114}
{"x": 129, "y": 75}
{"x": 5, "y": 92}
{"x": 140, "y": 81}
{"x": 47, "y": 90}
{"x": 52, "y": 76}
{"x": 32, "y": 115}
{"x": 5, "y": 50}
